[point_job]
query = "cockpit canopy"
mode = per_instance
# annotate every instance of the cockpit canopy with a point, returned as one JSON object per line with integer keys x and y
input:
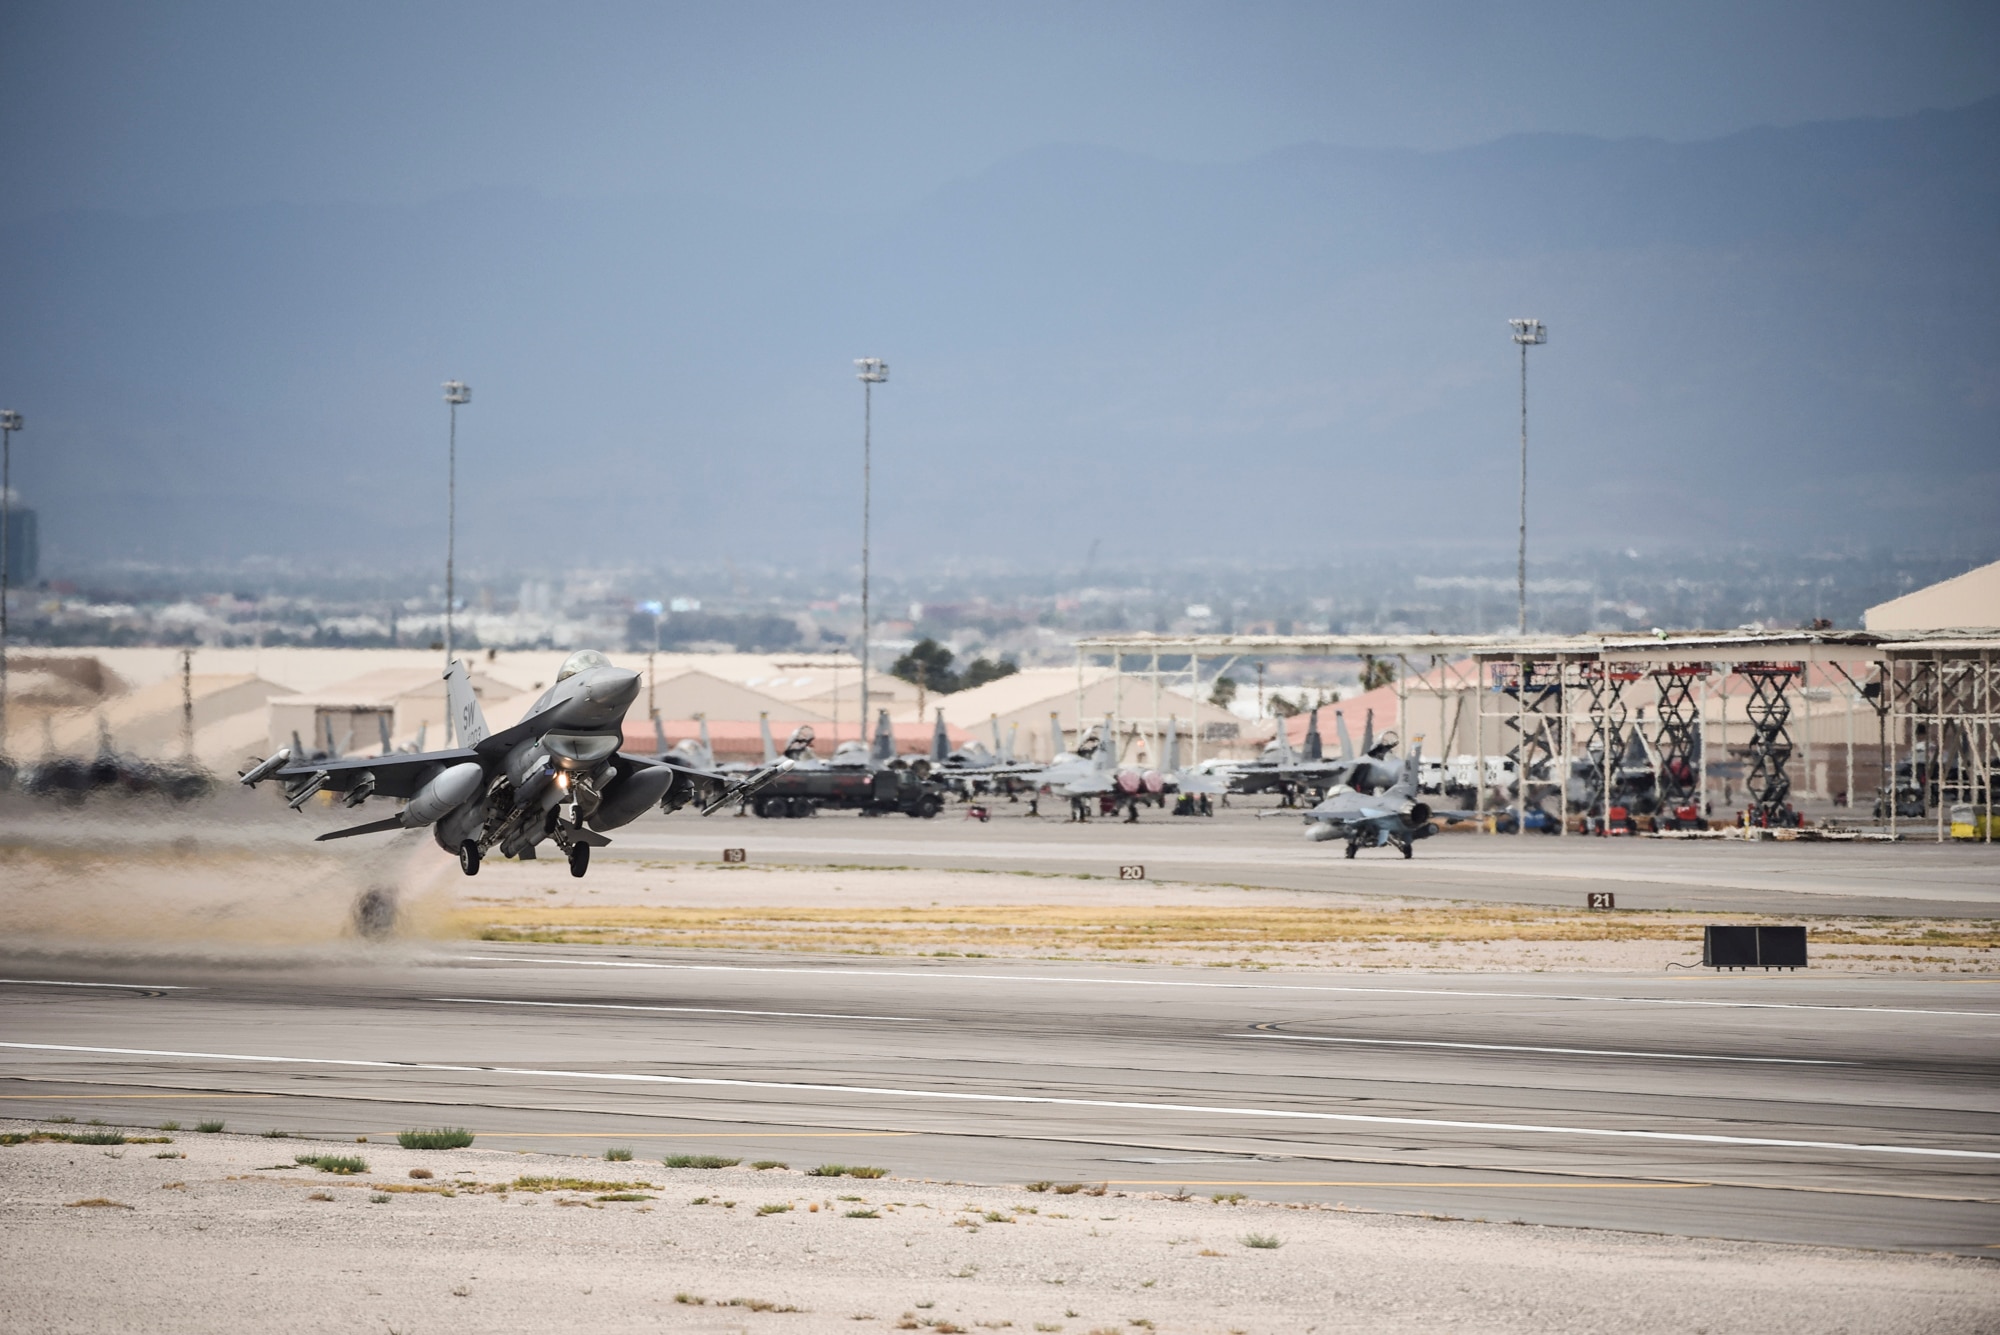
{"x": 581, "y": 660}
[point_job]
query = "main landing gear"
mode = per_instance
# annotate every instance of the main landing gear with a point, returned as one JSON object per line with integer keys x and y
{"x": 579, "y": 859}
{"x": 468, "y": 857}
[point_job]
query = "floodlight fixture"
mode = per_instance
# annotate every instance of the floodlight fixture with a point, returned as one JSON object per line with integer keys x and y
{"x": 1529, "y": 334}
{"x": 870, "y": 371}
{"x": 457, "y": 392}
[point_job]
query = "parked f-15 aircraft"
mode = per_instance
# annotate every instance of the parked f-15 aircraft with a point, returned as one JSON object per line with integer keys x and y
{"x": 555, "y": 776}
{"x": 1279, "y": 768}
{"x": 1392, "y": 817}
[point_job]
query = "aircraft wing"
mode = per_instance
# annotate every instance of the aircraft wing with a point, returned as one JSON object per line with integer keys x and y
{"x": 1185, "y": 782}
{"x": 395, "y": 776}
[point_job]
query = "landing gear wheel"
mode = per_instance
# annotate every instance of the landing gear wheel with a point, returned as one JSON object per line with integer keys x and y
{"x": 1352, "y": 849}
{"x": 1405, "y": 846}
{"x": 468, "y": 857}
{"x": 579, "y": 859}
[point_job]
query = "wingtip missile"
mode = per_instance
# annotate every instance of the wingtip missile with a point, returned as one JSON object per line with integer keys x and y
{"x": 265, "y": 768}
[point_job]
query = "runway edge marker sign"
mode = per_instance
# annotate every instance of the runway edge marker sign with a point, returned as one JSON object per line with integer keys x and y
{"x": 1131, "y": 871}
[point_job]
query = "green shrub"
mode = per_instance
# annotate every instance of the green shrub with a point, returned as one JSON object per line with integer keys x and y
{"x": 846, "y": 1170}
{"x": 761, "y": 1164}
{"x": 333, "y": 1163}
{"x": 1262, "y": 1241}
{"x": 210, "y": 1127}
{"x": 618, "y": 1154}
{"x": 436, "y": 1138}
{"x": 699, "y": 1161}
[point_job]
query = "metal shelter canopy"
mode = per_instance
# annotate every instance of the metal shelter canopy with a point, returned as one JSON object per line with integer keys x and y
{"x": 1738, "y": 646}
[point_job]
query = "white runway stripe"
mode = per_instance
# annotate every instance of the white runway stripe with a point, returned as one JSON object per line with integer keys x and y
{"x": 1039, "y": 979}
{"x": 1043, "y": 1100}
{"x": 1516, "y": 1047}
{"x": 139, "y": 987}
{"x": 686, "y": 1010}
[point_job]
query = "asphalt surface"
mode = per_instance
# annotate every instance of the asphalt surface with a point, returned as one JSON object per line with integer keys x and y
{"x": 1843, "y": 1111}
{"x": 1260, "y": 846}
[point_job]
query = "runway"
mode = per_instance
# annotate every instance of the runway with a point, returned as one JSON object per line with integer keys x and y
{"x": 1238, "y": 847}
{"x": 1853, "y": 1112}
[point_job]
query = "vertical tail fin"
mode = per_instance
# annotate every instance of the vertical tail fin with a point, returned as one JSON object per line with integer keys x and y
{"x": 463, "y": 716}
{"x": 1368, "y": 734}
{"x": 940, "y": 741}
{"x": 1055, "y": 735}
{"x": 764, "y": 727}
{"x": 997, "y": 749}
{"x": 1340, "y": 730}
{"x": 707, "y": 749}
{"x": 382, "y": 723}
{"x": 1284, "y": 741}
{"x": 1171, "y": 753}
{"x": 885, "y": 738}
{"x": 1315, "y": 749}
{"x": 1013, "y": 732}
{"x": 659, "y": 736}
{"x": 1107, "y": 746}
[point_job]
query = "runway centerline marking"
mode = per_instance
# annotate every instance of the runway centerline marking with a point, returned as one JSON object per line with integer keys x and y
{"x": 1517, "y": 1047}
{"x": 690, "y": 1010}
{"x": 1042, "y": 1100}
{"x": 1250, "y": 987}
{"x": 134, "y": 987}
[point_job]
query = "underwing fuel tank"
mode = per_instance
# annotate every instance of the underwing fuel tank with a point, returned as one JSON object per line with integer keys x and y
{"x": 1320, "y": 831}
{"x": 630, "y": 797}
{"x": 448, "y": 790}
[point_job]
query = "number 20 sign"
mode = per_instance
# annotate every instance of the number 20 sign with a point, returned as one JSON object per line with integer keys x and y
{"x": 1131, "y": 871}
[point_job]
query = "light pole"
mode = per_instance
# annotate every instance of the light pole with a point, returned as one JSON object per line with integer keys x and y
{"x": 10, "y": 422}
{"x": 873, "y": 371}
{"x": 1527, "y": 333}
{"x": 456, "y": 392}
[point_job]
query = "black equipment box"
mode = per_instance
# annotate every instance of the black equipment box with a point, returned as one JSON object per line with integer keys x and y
{"x": 1753, "y": 947}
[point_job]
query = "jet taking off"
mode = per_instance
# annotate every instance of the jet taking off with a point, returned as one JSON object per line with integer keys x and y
{"x": 557, "y": 775}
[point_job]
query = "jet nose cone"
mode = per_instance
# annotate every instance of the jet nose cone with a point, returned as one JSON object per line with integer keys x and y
{"x": 613, "y": 688}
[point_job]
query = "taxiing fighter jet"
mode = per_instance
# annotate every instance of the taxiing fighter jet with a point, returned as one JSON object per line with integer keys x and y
{"x": 1393, "y": 817}
{"x": 557, "y": 775}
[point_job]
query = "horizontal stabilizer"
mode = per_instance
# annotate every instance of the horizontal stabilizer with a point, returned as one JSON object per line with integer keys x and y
{"x": 372, "y": 827}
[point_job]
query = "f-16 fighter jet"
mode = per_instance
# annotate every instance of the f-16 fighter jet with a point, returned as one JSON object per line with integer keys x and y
{"x": 555, "y": 776}
{"x": 1393, "y": 817}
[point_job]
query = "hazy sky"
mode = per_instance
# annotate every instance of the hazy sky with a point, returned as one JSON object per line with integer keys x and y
{"x": 153, "y": 107}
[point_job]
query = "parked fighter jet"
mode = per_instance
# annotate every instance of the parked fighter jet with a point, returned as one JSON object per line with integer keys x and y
{"x": 1094, "y": 772}
{"x": 1281, "y": 770}
{"x": 972, "y": 769}
{"x": 557, "y": 775}
{"x": 1392, "y": 817}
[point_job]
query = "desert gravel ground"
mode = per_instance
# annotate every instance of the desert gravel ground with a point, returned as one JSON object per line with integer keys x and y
{"x": 237, "y": 1236}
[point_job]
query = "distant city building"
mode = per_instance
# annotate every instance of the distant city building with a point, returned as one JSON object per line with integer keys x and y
{"x": 24, "y": 549}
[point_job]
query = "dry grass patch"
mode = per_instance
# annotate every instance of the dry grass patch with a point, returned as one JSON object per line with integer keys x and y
{"x": 1195, "y": 929}
{"x": 97, "y": 1203}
